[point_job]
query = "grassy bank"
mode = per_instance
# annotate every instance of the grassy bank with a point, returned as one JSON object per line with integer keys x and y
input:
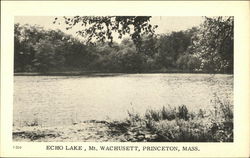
{"x": 178, "y": 125}
{"x": 168, "y": 124}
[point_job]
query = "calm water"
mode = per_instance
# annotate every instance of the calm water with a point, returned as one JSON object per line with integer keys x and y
{"x": 60, "y": 100}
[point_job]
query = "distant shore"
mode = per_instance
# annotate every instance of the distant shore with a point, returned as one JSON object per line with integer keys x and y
{"x": 80, "y": 73}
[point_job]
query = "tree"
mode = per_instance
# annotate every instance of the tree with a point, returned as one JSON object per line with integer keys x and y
{"x": 188, "y": 62}
{"x": 208, "y": 48}
{"x": 171, "y": 46}
{"x": 49, "y": 54}
{"x": 130, "y": 60}
{"x": 214, "y": 44}
{"x": 37, "y": 49}
{"x": 102, "y": 28}
{"x": 25, "y": 37}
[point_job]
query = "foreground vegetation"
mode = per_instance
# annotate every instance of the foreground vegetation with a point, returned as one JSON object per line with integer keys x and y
{"x": 178, "y": 125}
{"x": 168, "y": 124}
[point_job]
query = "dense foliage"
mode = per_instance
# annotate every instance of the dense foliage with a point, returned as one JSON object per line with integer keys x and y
{"x": 178, "y": 124}
{"x": 208, "y": 48}
{"x": 104, "y": 28}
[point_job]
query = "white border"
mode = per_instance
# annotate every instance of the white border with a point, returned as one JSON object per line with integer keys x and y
{"x": 240, "y": 10}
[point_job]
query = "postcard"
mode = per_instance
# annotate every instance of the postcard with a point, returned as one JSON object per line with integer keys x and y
{"x": 125, "y": 79}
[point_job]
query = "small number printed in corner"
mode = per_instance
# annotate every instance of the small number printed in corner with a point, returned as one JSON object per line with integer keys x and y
{"x": 17, "y": 147}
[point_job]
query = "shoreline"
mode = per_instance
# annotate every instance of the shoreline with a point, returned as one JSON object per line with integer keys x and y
{"x": 164, "y": 125}
{"x": 78, "y": 73}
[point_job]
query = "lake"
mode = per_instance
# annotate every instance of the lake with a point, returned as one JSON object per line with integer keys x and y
{"x": 62, "y": 100}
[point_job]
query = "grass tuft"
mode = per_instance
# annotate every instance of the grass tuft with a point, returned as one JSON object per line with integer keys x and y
{"x": 170, "y": 124}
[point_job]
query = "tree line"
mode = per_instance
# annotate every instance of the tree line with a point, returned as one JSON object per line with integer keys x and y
{"x": 207, "y": 48}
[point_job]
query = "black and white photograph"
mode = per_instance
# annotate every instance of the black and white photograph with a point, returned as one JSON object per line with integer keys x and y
{"x": 123, "y": 79}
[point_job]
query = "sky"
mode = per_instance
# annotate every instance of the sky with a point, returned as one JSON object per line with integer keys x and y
{"x": 166, "y": 24}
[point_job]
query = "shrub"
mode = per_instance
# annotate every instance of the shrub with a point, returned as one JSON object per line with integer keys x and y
{"x": 183, "y": 112}
{"x": 179, "y": 125}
